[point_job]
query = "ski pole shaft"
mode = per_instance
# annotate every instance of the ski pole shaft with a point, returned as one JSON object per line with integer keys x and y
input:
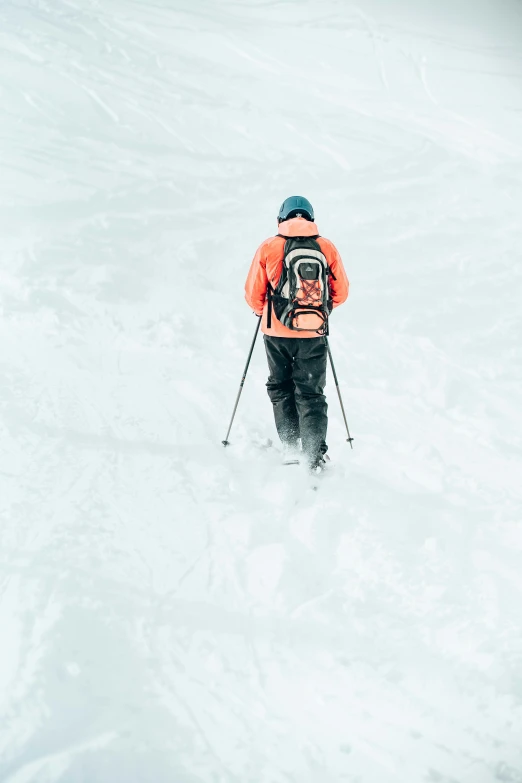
{"x": 349, "y": 438}
{"x": 226, "y": 441}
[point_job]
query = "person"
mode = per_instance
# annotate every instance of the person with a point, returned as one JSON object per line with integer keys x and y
{"x": 296, "y": 359}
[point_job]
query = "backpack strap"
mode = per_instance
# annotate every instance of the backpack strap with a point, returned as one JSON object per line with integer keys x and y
{"x": 269, "y": 312}
{"x": 315, "y": 236}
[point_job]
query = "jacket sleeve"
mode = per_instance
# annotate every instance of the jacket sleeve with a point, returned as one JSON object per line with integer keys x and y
{"x": 257, "y": 282}
{"x": 339, "y": 287}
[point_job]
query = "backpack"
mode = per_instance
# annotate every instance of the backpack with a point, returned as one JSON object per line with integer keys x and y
{"x": 301, "y": 300}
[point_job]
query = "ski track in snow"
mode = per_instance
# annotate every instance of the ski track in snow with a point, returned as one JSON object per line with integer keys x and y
{"x": 170, "y": 610}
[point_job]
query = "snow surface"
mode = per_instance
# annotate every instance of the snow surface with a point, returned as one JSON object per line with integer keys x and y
{"x": 174, "y": 611}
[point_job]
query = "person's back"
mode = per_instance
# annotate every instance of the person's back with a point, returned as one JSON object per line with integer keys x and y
{"x": 296, "y": 357}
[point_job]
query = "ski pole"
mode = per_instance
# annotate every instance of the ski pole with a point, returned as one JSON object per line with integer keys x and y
{"x": 226, "y": 441}
{"x": 349, "y": 438}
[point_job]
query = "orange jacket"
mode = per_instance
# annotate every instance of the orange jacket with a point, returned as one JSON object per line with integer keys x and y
{"x": 268, "y": 264}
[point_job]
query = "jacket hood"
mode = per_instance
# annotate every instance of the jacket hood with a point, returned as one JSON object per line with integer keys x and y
{"x": 297, "y": 227}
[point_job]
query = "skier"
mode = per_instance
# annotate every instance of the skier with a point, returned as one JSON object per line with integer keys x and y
{"x": 296, "y": 278}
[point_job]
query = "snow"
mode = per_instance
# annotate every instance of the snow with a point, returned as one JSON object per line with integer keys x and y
{"x": 174, "y": 611}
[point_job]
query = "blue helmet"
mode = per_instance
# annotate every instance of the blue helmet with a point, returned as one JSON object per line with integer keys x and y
{"x": 294, "y": 206}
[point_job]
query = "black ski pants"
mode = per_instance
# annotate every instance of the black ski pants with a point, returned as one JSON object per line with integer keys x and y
{"x": 295, "y": 386}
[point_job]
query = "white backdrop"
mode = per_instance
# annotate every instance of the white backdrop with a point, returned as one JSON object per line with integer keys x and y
{"x": 174, "y": 612}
